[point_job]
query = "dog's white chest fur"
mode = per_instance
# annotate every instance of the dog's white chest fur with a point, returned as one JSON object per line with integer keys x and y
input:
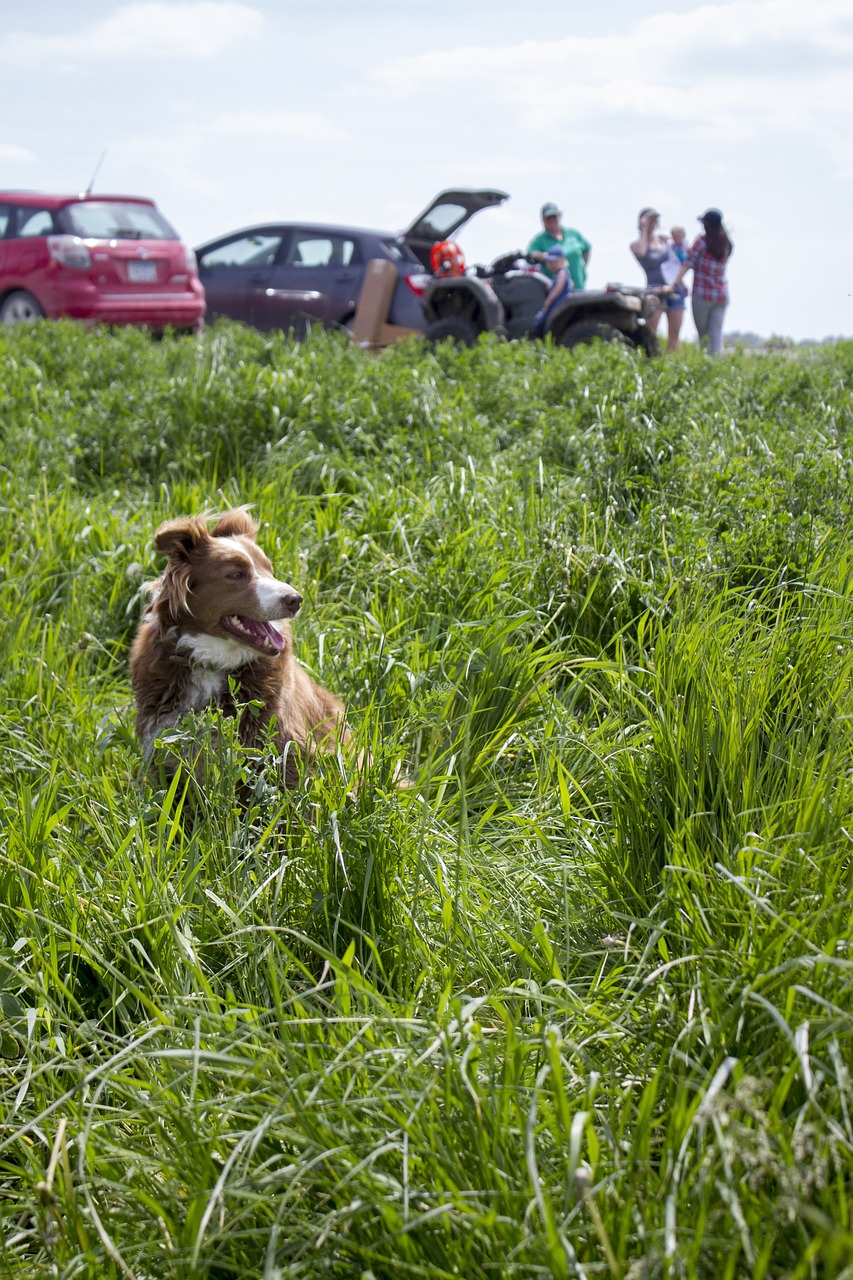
{"x": 211, "y": 658}
{"x": 212, "y": 655}
{"x": 204, "y": 687}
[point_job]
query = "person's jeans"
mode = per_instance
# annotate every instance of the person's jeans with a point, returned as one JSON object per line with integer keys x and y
{"x": 708, "y": 318}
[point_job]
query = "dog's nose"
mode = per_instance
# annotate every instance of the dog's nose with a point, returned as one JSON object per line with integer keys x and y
{"x": 291, "y": 600}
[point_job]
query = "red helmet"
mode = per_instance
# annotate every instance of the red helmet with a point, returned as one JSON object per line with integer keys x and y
{"x": 447, "y": 258}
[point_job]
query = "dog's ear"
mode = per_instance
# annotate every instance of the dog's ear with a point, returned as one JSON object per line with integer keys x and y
{"x": 233, "y": 523}
{"x": 178, "y": 538}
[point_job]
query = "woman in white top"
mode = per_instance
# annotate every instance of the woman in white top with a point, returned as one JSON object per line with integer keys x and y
{"x": 652, "y": 250}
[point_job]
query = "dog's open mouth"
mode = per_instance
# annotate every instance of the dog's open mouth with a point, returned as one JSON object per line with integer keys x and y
{"x": 262, "y": 636}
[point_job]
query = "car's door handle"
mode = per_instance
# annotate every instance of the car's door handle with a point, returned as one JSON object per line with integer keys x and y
{"x": 345, "y": 278}
{"x": 257, "y": 279}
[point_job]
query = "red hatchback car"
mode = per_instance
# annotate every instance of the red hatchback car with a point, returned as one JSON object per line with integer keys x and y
{"x": 100, "y": 259}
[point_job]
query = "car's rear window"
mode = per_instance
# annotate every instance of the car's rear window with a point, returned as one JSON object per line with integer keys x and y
{"x": 115, "y": 220}
{"x": 442, "y": 219}
{"x": 315, "y": 249}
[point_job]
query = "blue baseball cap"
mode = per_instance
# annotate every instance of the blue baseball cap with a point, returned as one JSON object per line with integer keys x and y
{"x": 556, "y": 251}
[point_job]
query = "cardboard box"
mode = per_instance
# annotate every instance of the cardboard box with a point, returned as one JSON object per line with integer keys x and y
{"x": 370, "y": 326}
{"x": 374, "y": 301}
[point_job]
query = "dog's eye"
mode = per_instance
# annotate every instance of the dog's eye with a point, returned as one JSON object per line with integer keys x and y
{"x": 236, "y": 574}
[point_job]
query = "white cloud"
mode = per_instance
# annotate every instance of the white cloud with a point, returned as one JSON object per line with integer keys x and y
{"x": 152, "y": 29}
{"x": 10, "y": 154}
{"x": 206, "y": 156}
{"x": 307, "y": 126}
{"x": 719, "y": 71}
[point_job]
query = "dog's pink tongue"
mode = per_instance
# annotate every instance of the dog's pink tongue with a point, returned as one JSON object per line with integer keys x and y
{"x": 262, "y": 636}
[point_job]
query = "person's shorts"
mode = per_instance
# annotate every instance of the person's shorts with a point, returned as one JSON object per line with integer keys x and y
{"x": 675, "y": 301}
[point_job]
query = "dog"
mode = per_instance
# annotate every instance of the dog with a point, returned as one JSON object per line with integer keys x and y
{"x": 218, "y": 613}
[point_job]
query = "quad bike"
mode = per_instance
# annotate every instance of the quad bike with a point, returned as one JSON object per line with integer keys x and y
{"x": 505, "y": 298}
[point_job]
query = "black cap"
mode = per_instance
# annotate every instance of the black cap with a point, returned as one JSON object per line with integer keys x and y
{"x": 712, "y": 216}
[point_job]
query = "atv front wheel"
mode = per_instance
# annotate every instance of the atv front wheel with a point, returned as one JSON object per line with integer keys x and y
{"x": 590, "y": 330}
{"x": 648, "y": 341}
{"x": 454, "y": 328}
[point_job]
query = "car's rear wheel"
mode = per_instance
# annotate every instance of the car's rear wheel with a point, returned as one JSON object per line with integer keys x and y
{"x": 454, "y": 328}
{"x": 20, "y": 307}
{"x": 590, "y": 331}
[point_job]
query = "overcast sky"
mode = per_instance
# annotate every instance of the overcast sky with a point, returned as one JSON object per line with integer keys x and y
{"x": 359, "y": 111}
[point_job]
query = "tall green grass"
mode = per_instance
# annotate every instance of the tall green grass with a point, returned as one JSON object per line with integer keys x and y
{"x": 575, "y": 1004}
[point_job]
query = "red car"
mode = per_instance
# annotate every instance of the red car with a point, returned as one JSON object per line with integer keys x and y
{"x": 100, "y": 259}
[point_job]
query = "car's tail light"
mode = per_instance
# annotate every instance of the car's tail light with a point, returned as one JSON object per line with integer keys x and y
{"x": 70, "y": 251}
{"x": 418, "y": 282}
{"x": 190, "y": 259}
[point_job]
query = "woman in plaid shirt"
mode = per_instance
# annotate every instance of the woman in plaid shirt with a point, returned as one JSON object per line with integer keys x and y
{"x": 707, "y": 259}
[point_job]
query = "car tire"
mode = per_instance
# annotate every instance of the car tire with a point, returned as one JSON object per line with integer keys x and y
{"x": 589, "y": 331}
{"x": 456, "y": 329}
{"x": 20, "y": 307}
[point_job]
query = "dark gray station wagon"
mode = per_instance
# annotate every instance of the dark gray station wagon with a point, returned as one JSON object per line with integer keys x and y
{"x": 287, "y": 275}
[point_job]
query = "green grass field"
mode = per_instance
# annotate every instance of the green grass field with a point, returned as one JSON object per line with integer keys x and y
{"x": 577, "y": 1004}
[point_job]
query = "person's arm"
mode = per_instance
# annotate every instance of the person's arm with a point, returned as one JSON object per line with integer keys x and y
{"x": 642, "y": 244}
{"x": 556, "y": 288}
{"x": 687, "y": 264}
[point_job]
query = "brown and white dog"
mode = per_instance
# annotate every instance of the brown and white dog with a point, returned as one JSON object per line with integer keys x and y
{"x": 218, "y": 612}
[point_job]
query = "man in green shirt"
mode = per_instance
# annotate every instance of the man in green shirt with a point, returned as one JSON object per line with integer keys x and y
{"x": 575, "y": 246}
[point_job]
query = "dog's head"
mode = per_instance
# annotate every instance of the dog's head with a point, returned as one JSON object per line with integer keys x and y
{"x": 219, "y": 583}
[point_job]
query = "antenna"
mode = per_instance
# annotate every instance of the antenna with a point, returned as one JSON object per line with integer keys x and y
{"x": 95, "y": 174}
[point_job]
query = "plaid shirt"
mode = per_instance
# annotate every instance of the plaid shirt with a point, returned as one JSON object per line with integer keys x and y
{"x": 709, "y": 274}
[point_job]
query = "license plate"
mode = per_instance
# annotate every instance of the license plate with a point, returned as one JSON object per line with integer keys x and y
{"x": 142, "y": 272}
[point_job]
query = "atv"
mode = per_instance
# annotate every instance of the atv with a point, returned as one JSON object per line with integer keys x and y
{"x": 505, "y": 298}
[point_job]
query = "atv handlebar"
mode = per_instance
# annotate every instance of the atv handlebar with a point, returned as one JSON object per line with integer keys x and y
{"x": 508, "y": 260}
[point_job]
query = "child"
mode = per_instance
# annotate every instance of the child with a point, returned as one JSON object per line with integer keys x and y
{"x": 678, "y": 238}
{"x": 561, "y": 288}
{"x": 674, "y": 304}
